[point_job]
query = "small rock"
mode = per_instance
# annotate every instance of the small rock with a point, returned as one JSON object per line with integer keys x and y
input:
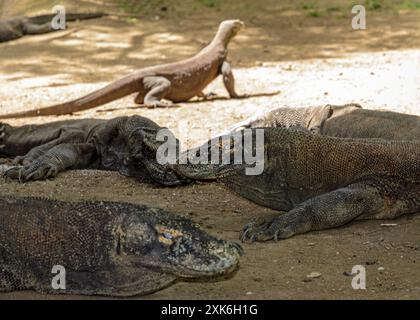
{"x": 249, "y": 293}
{"x": 288, "y": 68}
{"x": 380, "y": 269}
{"x": 313, "y": 275}
{"x": 388, "y": 224}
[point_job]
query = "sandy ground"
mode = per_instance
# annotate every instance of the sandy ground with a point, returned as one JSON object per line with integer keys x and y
{"x": 309, "y": 61}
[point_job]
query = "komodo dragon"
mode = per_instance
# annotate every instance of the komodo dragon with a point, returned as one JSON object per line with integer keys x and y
{"x": 42, "y": 151}
{"x": 179, "y": 81}
{"x": 17, "y": 27}
{"x": 323, "y": 182}
{"x": 345, "y": 121}
{"x": 106, "y": 248}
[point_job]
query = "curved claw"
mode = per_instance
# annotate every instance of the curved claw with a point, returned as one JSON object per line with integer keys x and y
{"x": 14, "y": 173}
{"x": 275, "y": 229}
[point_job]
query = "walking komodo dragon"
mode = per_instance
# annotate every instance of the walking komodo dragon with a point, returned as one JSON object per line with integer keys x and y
{"x": 175, "y": 82}
{"x": 321, "y": 181}
{"x": 42, "y": 151}
{"x": 345, "y": 121}
{"x": 17, "y": 27}
{"x": 106, "y": 248}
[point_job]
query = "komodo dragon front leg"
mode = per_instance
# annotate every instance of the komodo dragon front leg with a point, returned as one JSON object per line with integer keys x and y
{"x": 229, "y": 81}
{"x": 29, "y": 142}
{"x": 328, "y": 210}
{"x": 59, "y": 158}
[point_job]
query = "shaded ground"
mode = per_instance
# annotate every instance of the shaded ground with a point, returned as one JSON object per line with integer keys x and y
{"x": 269, "y": 270}
{"x": 310, "y": 60}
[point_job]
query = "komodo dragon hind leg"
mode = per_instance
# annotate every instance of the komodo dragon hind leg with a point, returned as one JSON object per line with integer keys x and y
{"x": 328, "y": 210}
{"x": 55, "y": 160}
{"x": 157, "y": 88}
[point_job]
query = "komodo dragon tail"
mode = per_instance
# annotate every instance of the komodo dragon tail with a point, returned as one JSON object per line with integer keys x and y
{"x": 113, "y": 91}
{"x": 45, "y": 18}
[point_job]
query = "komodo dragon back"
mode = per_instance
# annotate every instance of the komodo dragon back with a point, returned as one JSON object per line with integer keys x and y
{"x": 105, "y": 248}
{"x": 344, "y": 121}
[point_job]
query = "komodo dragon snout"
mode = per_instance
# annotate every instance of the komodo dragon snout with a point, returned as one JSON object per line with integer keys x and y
{"x": 233, "y": 26}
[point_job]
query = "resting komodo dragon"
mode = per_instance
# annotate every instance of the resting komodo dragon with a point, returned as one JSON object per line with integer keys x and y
{"x": 106, "y": 248}
{"x": 179, "y": 81}
{"x": 321, "y": 181}
{"x": 17, "y": 27}
{"x": 42, "y": 151}
{"x": 345, "y": 121}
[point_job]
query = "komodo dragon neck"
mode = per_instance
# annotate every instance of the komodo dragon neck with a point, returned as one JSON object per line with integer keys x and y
{"x": 193, "y": 74}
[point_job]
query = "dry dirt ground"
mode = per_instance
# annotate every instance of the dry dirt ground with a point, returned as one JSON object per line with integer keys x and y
{"x": 308, "y": 58}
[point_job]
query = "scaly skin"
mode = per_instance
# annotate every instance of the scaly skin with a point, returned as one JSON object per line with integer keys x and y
{"x": 106, "y": 248}
{"x": 179, "y": 81}
{"x": 346, "y": 121}
{"x": 42, "y": 151}
{"x": 14, "y": 28}
{"x": 322, "y": 182}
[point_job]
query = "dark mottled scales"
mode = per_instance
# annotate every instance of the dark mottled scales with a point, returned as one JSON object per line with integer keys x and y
{"x": 323, "y": 182}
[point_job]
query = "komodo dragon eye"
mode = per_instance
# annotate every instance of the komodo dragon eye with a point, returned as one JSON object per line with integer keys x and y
{"x": 167, "y": 235}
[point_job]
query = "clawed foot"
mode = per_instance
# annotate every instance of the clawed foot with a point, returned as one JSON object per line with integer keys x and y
{"x": 207, "y": 96}
{"x": 34, "y": 171}
{"x": 159, "y": 104}
{"x": 264, "y": 230}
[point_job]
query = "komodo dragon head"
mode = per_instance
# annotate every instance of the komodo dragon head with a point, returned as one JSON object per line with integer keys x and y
{"x": 228, "y": 29}
{"x": 174, "y": 245}
{"x": 146, "y": 147}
